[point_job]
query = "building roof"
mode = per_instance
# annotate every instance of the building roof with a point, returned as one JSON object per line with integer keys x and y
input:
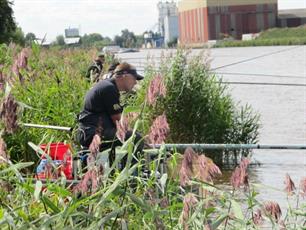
{"x": 295, "y": 13}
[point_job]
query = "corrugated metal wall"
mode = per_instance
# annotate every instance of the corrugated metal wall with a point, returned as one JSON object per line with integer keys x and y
{"x": 193, "y": 26}
{"x": 214, "y": 22}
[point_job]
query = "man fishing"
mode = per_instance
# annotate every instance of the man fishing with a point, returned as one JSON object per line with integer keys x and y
{"x": 102, "y": 110}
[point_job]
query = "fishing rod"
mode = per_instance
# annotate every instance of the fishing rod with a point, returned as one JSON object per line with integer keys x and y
{"x": 230, "y": 146}
{"x": 194, "y": 146}
{"x": 61, "y": 128}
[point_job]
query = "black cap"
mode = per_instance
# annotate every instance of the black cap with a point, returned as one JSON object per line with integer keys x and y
{"x": 125, "y": 68}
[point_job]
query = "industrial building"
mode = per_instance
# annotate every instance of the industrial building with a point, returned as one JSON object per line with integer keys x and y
{"x": 203, "y": 20}
{"x": 291, "y": 18}
{"x": 165, "y": 9}
{"x": 171, "y": 28}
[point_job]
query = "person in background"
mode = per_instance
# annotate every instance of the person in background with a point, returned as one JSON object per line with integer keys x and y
{"x": 102, "y": 110}
{"x": 110, "y": 71}
{"x": 95, "y": 69}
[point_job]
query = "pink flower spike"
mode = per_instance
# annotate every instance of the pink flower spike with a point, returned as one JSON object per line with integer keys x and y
{"x": 290, "y": 187}
{"x": 189, "y": 203}
{"x": 240, "y": 176}
{"x": 122, "y": 128}
{"x": 22, "y": 60}
{"x": 257, "y": 218}
{"x": 303, "y": 187}
{"x": 185, "y": 172}
{"x": 95, "y": 144}
{"x": 8, "y": 114}
{"x": 156, "y": 89}
{"x": 3, "y": 152}
{"x": 89, "y": 182}
{"x": 273, "y": 209}
{"x": 159, "y": 130}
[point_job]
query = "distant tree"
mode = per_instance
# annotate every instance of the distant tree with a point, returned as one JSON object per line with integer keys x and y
{"x": 139, "y": 40}
{"x": 60, "y": 40}
{"x": 90, "y": 39}
{"x": 29, "y": 38}
{"x": 127, "y": 39}
{"x": 7, "y": 22}
{"x": 17, "y": 36}
{"x": 118, "y": 40}
{"x": 107, "y": 40}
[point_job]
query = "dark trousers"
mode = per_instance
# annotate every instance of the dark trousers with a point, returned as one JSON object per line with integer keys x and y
{"x": 109, "y": 141}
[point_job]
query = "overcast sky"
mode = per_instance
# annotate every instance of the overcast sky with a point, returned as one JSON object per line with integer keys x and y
{"x": 107, "y": 17}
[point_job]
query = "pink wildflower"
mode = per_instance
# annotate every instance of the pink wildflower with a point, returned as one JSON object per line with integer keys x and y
{"x": 3, "y": 152}
{"x": 151, "y": 196}
{"x": 213, "y": 171}
{"x": 185, "y": 172}
{"x": 20, "y": 62}
{"x": 290, "y": 187}
{"x": 8, "y": 113}
{"x": 95, "y": 144}
{"x": 303, "y": 187}
{"x": 89, "y": 183}
{"x": 273, "y": 209}
{"x": 156, "y": 88}
{"x": 207, "y": 170}
{"x": 122, "y": 128}
{"x": 257, "y": 218}
{"x": 197, "y": 166}
{"x": 164, "y": 203}
{"x": 159, "y": 130}
{"x": 240, "y": 175}
{"x": 189, "y": 203}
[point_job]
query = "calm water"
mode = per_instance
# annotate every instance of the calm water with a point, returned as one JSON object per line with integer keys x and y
{"x": 282, "y": 108}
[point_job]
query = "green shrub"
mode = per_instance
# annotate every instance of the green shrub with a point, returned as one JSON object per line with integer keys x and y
{"x": 198, "y": 106}
{"x": 51, "y": 93}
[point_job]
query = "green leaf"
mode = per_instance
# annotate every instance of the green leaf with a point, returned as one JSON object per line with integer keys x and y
{"x": 50, "y": 204}
{"x": 299, "y": 212}
{"x": 16, "y": 167}
{"x": 218, "y": 221}
{"x": 38, "y": 187}
{"x": 237, "y": 210}
{"x": 163, "y": 181}
{"x": 209, "y": 211}
{"x": 106, "y": 218}
{"x": 140, "y": 203}
{"x": 131, "y": 109}
{"x": 23, "y": 215}
{"x": 1, "y": 213}
{"x": 59, "y": 190}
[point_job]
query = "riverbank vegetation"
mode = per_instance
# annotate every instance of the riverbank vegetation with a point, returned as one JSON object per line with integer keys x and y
{"x": 271, "y": 37}
{"x": 180, "y": 101}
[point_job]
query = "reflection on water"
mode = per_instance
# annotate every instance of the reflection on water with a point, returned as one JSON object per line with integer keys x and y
{"x": 282, "y": 108}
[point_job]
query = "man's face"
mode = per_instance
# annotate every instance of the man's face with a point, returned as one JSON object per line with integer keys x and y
{"x": 129, "y": 82}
